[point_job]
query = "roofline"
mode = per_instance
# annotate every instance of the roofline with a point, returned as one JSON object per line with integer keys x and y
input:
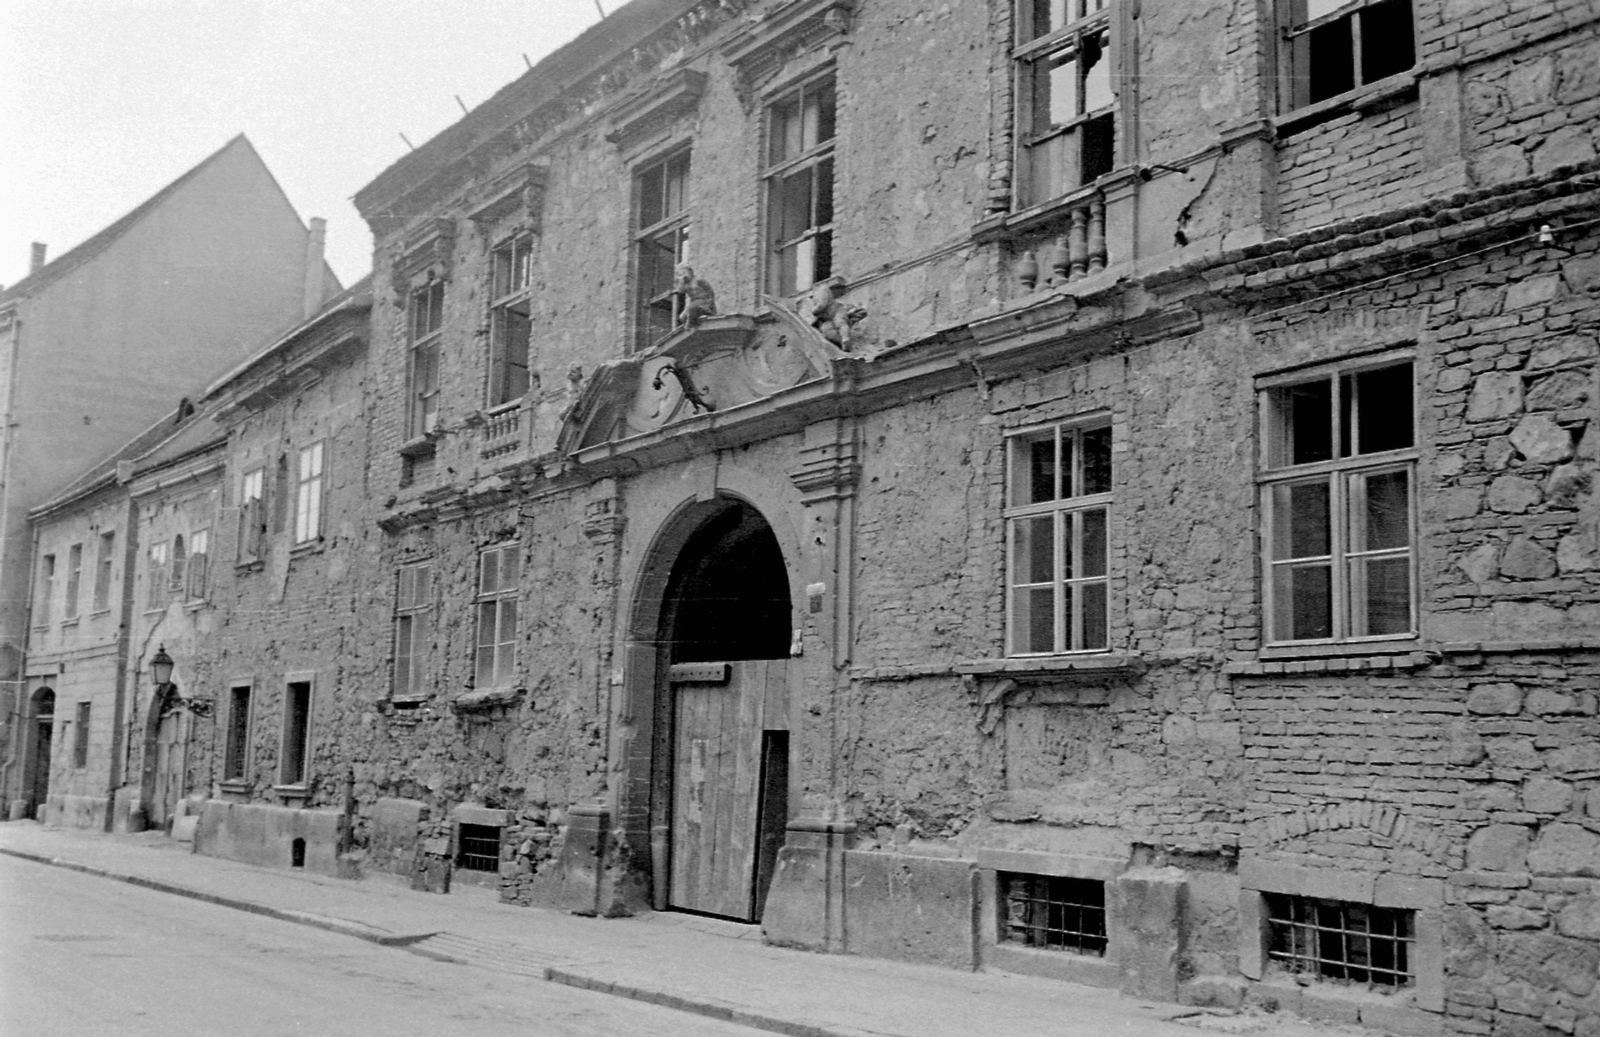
{"x": 357, "y": 296}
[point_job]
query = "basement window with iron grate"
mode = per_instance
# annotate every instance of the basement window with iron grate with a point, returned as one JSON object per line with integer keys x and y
{"x": 478, "y": 848}
{"x": 1053, "y": 912}
{"x": 1340, "y": 940}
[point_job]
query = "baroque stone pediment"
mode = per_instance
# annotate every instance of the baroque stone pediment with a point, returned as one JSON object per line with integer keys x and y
{"x": 719, "y": 363}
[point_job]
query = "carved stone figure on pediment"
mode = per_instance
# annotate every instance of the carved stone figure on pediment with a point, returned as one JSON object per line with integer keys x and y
{"x": 696, "y": 299}
{"x": 835, "y": 320}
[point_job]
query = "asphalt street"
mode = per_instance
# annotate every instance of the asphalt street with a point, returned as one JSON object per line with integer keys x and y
{"x": 80, "y": 956}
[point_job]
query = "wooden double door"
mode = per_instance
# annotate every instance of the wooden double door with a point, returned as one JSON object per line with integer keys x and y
{"x": 730, "y": 780}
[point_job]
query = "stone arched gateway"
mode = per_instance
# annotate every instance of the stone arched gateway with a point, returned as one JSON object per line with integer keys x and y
{"x": 711, "y": 634}
{"x": 161, "y": 780}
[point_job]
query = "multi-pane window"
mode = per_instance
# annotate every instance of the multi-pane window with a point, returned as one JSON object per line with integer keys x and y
{"x": 199, "y": 563}
{"x": 412, "y": 630}
{"x": 1057, "y": 520}
{"x": 799, "y": 179}
{"x": 236, "y": 749}
{"x": 1066, "y": 124}
{"x": 74, "y": 579}
{"x": 661, "y": 243}
{"x": 46, "y": 591}
{"x": 296, "y": 748}
{"x": 80, "y": 737}
{"x": 498, "y": 569}
{"x": 308, "y": 495}
{"x": 1053, "y": 912}
{"x": 426, "y": 317}
{"x": 156, "y": 570}
{"x": 509, "y": 325}
{"x": 102, "y": 571}
{"x": 1333, "y": 46}
{"x": 1339, "y": 940}
{"x": 1338, "y": 493}
{"x": 252, "y": 515}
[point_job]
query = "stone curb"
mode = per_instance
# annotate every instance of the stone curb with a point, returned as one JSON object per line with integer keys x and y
{"x": 708, "y": 1007}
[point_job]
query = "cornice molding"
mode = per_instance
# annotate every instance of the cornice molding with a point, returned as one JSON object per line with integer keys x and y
{"x": 675, "y": 94}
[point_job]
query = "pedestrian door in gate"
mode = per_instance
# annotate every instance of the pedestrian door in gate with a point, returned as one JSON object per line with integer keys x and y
{"x": 169, "y": 762}
{"x": 44, "y": 709}
{"x": 729, "y": 783}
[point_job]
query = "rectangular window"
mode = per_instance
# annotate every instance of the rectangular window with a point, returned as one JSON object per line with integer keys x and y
{"x": 46, "y": 591}
{"x": 296, "y": 754}
{"x": 308, "y": 495}
{"x": 661, "y": 243}
{"x": 156, "y": 588}
{"x": 1057, "y": 525}
{"x": 199, "y": 564}
{"x": 178, "y": 571}
{"x": 252, "y": 515}
{"x": 74, "y": 579}
{"x": 1066, "y": 125}
{"x": 498, "y": 569}
{"x": 478, "y": 847}
{"x": 412, "y": 630}
{"x": 509, "y": 321}
{"x": 799, "y": 188}
{"x": 236, "y": 749}
{"x": 1053, "y": 912}
{"x": 426, "y": 318}
{"x": 1339, "y": 940}
{"x": 1331, "y": 47}
{"x": 80, "y": 738}
{"x": 1338, "y": 494}
{"x": 102, "y": 571}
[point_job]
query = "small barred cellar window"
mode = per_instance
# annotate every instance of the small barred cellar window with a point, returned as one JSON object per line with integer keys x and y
{"x": 1339, "y": 940}
{"x": 1053, "y": 912}
{"x": 478, "y": 848}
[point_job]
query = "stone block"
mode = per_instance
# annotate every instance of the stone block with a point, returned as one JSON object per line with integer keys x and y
{"x": 1563, "y": 390}
{"x": 265, "y": 835}
{"x": 392, "y": 833}
{"x": 807, "y": 889}
{"x": 574, "y": 883}
{"x": 1496, "y": 394}
{"x": 911, "y": 908}
{"x": 1500, "y": 699}
{"x": 1498, "y": 848}
{"x": 1567, "y": 485}
{"x": 1566, "y": 849}
{"x": 472, "y": 814}
{"x": 1580, "y": 918}
{"x": 1512, "y": 494}
{"x": 1571, "y": 349}
{"x": 1482, "y": 564}
{"x": 1538, "y": 438}
{"x": 1401, "y": 1020}
{"x": 1147, "y": 913}
{"x": 1542, "y": 795}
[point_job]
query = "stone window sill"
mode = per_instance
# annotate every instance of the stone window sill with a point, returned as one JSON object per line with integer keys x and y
{"x": 69, "y": 622}
{"x": 484, "y": 699}
{"x": 1095, "y": 665}
{"x": 1372, "y": 96}
{"x": 422, "y": 446}
{"x": 234, "y": 787}
{"x": 1406, "y": 654}
{"x": 310, "y": 547}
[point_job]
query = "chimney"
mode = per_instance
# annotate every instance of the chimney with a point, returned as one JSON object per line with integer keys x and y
{"x": 37, "y": 259}
{"x": 315, "y": 240}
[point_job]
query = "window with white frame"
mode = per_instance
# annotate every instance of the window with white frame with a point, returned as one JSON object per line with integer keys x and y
{"x": 412, "y": 630}
{"x": 510, "y": 327}
{"x": 498, "y": 569}
{"x": 308, "y": 495}
{"x": 799, "y": 188}
{"x": 1057, "y": 525}
{"x": 46, "y": 590}
{"x": 661, "y": 243}
{"x": 1332, "y": 47}
{"x": 199, "y": 564}
{"x": 74, "y": 580}
{"x": 1338, "y": 499}
{"x": 156, "y": 575}
{"x": 1066, "y": 99}
{"x": 252, "y": 515}
{"x": 425, "y": 317}
{"x": 102, "y": 571}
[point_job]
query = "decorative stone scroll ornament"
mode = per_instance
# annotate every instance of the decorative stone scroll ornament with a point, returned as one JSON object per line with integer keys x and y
{"x": 517, "y": 195}
{"x": 426, "y": 256}
{"x": 710, "y": 365}
{"x": 787, "y": 29}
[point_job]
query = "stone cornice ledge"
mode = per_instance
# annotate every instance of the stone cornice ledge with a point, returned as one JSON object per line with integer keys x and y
{"x": 1056, "y": 667}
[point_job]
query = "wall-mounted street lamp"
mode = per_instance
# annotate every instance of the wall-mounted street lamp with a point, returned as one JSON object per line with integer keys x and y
{"x": 161, "y": 676}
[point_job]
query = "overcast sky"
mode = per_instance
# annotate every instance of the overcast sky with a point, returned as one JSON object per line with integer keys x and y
{"x": 107, "y": 101}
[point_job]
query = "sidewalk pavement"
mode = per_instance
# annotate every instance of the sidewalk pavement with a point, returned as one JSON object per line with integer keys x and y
{"x": 716, "y": 969}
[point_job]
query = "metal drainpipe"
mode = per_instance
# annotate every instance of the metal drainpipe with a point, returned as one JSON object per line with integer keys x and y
{"x": 19, "y": 686}
{"x": 119, "y": 724}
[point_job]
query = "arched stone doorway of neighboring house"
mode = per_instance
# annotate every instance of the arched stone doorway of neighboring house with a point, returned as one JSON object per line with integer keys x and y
{"x": 42, "y": 719}
{"x": 720, "y": 745}
{"x": 165, "y": 747}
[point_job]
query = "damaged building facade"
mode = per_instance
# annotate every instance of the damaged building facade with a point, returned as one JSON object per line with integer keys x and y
{"x": 1085, "y": 487}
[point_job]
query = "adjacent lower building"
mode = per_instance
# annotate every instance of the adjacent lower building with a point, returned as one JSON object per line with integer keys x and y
{"x": 1100, "y": 490}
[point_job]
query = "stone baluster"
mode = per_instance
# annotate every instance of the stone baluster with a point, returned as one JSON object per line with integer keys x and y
{"x": 1097, "y": 234}
{"x": 1080, "y": 241}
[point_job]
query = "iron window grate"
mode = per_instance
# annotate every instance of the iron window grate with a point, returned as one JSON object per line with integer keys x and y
{"x": 478, "y": 848}
{"x": 1338, "y": 940}
{"x": 1053, "y": 912}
